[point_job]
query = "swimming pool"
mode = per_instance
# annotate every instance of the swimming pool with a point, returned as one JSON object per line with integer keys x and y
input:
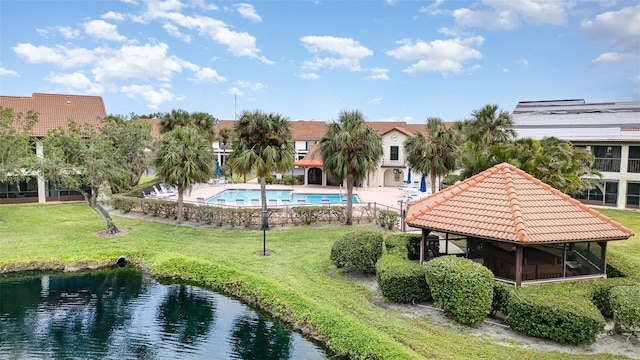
{"x": 275, "y": 197}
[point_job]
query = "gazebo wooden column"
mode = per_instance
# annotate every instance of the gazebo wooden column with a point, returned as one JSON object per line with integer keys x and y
{"x": 518, "y": 265}
{"x": 423, "y": 241}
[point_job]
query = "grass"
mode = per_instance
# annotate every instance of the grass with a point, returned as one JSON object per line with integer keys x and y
{"x": 298, "y": 284}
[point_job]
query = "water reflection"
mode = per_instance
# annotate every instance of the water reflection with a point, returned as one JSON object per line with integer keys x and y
{"x": 184, "y": 315}
{"x": 124, "y": 314}
{"x": 255, "y": 338}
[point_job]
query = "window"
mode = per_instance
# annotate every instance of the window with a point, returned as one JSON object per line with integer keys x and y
{"x": 395, "y": 151}
{"x": 633, "y": 195}
{"x": 611, "y": 192}
{"x": 634, "y": 159}
{"x": 607, "y": 158}
{"x": 595, "y": 195}
{"x": 310, "y": 144}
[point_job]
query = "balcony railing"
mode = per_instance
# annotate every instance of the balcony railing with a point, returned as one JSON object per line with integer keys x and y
{"x": 633, "y": 166}
{"x": 607, "y": 165}
{"x": 394, "y": 163}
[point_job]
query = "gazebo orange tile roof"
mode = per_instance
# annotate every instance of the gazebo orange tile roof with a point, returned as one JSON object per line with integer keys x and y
{"x": 506, "y": 204}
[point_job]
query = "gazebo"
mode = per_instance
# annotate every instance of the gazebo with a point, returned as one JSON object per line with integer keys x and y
{"x": 523, "y": 230}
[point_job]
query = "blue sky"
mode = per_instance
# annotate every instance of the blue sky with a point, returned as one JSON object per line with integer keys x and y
{"x": 393, "y": 60}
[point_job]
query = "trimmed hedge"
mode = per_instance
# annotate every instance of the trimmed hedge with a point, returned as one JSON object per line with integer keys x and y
{"x": 358, "y": 249}
{"x": 402, "y": 280}
{"x": 501, "y": 295}
{"x": 625, "y": 303}
{"x": 564, "y": 318}
{"x": 461, "y": 287}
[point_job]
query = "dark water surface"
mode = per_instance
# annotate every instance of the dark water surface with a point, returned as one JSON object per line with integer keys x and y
{"x": 125, "y": 314}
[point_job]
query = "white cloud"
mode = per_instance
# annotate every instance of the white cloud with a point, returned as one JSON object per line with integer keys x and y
{"x": 76, "y": 81}
{"x": 68, "y": 32}
{"x": 433, "y": 9}
{"x": 249, "y": 85}
{"x": 173, "y": 30}
{"x": 391, "y": 2}
{"x": 349, "y": 52}
{"x": 620, "y": 29}
{"x": 59, "y": 55}
{"x": 6, "y": 72}
{"x": 379, "y": 74}
{"x": 377, "y": 100}
{"x": 112, "y": 15}
{"x": 238, "y": 43}
{"x": 136, "y": 62}
{"x": 438, "y": 55}
{"x": 153, "y": 97}
{"x": 309, "y": 76}
{"x": 247, "y": 11}
{"x": 235, "y": 91}
{"x": 103, "y": 30}
{"x": 507, "y": 14}
{"x": 609, "y": 57}
{"x": 209, "y": 75}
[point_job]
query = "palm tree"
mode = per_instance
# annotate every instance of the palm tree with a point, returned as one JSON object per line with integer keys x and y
{"x": 262, "y": 144}
{"x": 174, "y": 119}
{"x": 489, "y": 126}
{"x": 349, "y": 150}
{"x": 433, "y": 154}
{"x": 184, "y": 158}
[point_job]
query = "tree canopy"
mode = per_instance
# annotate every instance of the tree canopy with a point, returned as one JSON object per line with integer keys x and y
{"x": 184, "y": 158}
{"x": 86, "y": 156}
{"x": 17, "y": 155}
{"x": 433, "y": 154}
{"x": 263, "y": 144}
{"x": 349, "y": 150}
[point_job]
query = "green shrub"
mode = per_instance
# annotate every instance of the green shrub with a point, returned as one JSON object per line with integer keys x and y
{"x": 410, "y": 243}
{"x": 402, "y": 280}
{"x": 358, "y": 249}
{"x": 388, "y": 218}
{"x": 501, "y": 293}
{"x": 542, "y": 312}
{"x": 625, "y": 303}
{"x": 125, "y": 203}
{"x": 461, "y": 287}
{"x": 309, "y": 214}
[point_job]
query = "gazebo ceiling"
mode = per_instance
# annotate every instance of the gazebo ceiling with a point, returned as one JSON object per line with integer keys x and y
{"x": 504, "y": 203}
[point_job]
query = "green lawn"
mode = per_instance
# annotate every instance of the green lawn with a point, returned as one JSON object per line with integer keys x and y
{"x": 297, "y": 284}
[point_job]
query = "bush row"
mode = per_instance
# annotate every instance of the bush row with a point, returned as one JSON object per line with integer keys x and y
{"x": 625, "y": 303}
{"x": 249, "y": 217}
{"x": 359, "y": 250}
{"x": 461, "y": 287}
{"x": 401, "y": 280}
{"x": 542, "y": 312}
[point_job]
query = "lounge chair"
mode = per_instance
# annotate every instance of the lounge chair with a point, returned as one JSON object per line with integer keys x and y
{"x": 273, "y": 202}
{"x": 255, "y": 202}
{"x": 240, "y": 202}
{"x": 201, "y": 201}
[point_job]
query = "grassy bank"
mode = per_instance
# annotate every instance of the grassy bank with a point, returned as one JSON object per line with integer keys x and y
{"x": 297, "y": 284}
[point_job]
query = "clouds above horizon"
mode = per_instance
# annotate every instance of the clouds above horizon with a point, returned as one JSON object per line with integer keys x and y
{"x": 144, "y": 48}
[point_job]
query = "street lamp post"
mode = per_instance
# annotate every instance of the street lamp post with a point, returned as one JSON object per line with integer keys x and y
{"x": 264, "y": 233}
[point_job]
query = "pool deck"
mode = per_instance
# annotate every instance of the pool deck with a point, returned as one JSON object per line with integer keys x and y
{"x": 388, "y": 196}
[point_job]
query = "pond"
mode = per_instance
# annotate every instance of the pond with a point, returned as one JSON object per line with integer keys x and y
{"x": 123, "y": 313}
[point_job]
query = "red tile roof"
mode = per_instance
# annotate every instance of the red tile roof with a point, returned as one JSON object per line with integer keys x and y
{"x": 155, "y": 126}
{"x": 312, "y": 158}
{"x": 504, "y": 203}
{"x": 57, "y": 109}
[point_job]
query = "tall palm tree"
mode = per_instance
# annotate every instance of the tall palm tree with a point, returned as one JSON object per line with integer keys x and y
{"x": 349, "y": 150}
{"x": 489, "y": 126}
{"x": 262, "y": 144}
{"x": 184, "y": 158}
{"x": 432, "y": 154}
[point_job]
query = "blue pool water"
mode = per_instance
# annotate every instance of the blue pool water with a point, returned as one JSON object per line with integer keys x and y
{"x": 232, "y": 195}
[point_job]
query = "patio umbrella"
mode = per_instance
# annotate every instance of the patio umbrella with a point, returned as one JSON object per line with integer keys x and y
{"x": 409, "y": 177}
{"x": 423, "y": 183}
{"x": 217, "y": 168}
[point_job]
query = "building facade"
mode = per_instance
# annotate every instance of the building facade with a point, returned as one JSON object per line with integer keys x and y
{"x": 610, "y": 130}
{"x": 55, "y": 112}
